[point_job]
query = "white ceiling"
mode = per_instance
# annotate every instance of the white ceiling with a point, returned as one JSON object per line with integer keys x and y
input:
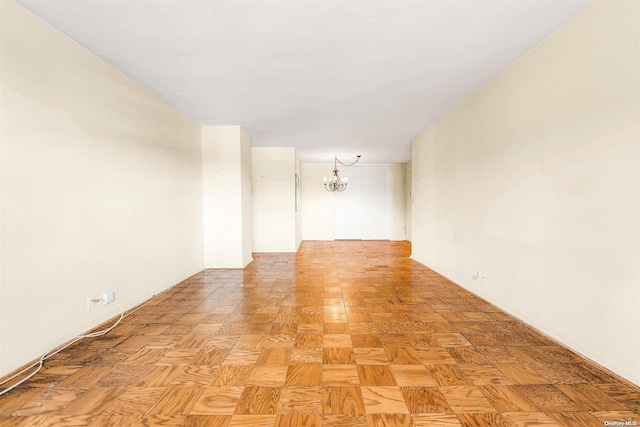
{"x": 326, "y": 77}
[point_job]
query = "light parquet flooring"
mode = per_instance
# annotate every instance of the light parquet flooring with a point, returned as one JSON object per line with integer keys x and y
{"x": 345, "y": 334}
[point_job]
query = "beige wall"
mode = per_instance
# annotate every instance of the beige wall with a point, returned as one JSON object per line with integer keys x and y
{"x": 408, "y": 199}
{"x": 274, "y": 215}
{"x": 316, "y": 203}
{"x": 318, "y": 208}
{"x": 397, "y": 202}
{"x": 101, "y": 189}
{"x": 226, "y": 171}
{"x": 535, "y": 181}
{"x": 299, "y": 211}
{"x": 246, "y": 197}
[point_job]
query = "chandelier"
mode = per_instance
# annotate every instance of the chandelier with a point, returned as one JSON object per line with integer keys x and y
{"x": 335, "y": 183}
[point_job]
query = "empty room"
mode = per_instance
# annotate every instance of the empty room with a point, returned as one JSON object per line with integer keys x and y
{"x": 320, "y": 213}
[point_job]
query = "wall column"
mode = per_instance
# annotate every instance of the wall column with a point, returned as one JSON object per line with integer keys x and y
{"x": 226, "y": 172}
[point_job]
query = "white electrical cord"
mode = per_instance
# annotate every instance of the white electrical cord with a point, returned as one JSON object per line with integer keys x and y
{"x": 58, "y": 349}
{"x": 51, "y": 353}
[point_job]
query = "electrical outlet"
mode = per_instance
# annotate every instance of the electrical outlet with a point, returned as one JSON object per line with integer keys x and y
{"x": 90, "y": 303}
{"x": 107, "y": 297}
{"x": 480, "y": 276}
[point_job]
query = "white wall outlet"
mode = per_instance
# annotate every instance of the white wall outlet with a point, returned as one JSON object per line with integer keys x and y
{"x": 90, "y": 303}
{"x": 107, "y": 297}
{"x": 476, "y": 275}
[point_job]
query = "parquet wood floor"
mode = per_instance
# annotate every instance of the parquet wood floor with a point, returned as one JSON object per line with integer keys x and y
{"x": 340, "y": 334}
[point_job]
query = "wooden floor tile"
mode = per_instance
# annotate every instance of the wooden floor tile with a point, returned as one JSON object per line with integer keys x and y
{"x": 412, "y": 375}
{"x": 310, "y": 328}
{"x": 207, "y": 421}
{"x": 423, "y": 340}
{"x": 425, "y": 400}
{"x": 159, "y": 376}
{"x": 435, "y": 420}
{"x": 466, "y": 399}
{"x": 521, "y": 374}
{"x": 146, "y": 356}
{"x": 47, "y": 401}
{"x": 484, "y": 375}
{"x": 622, "y": 393}
{"x": 274, "y": 376}
{"x": 335, "y": 318}
{"x": 344, "y": 375}
{"x": 340, "y": 356}
{"x": 193, "y": 375}
{"x": 223, "y": 341}
{"x": 217, "y": 401}
{"x": 569, "y": 419}
{"x": 93, "y": 401}
{"x": 342, "y": 400}
{"x": 134, "y": 401}
{"x": 384, "y": 400}
{"x": 210, "y": 356}
{"x": 371, "y": 356}
{"x": 452, "y": 340}
{"x": 467, "y": 356}
{"x": 363, "y": 329}
{"x": 390, "y": 420}
{"x": 61, "y": 420}
{"x": 507, "y": 399}
{"x": 365, "y": 340}
{"x": 448, "y": 375}
{"x": 402, "y": 356}
{"x": 376, "y": 375}
{"x": 242, "y": 357}
{"x": 252, "y": 421}
{"x": 337, "y": 340}
{"x": 304, "y": 375}
{"x": 258, "y": 401}
{"x": 341, "y": 420}
{"x": 177, "y": 357}
{"x": 176, "y": 400}
{"x": 339, "y": 334}
{"x": 231, "y": 375}
{"x": 300, "y": 400}
{"x": 85, "y": 377}
{"x": 527, "y": 419}
{"x": 358, "y": 318}
{"x": 548, "y": 398}
{"x": 251, "y": 341}
{"x": 435, "y": 356}
{"x": 298, "y": 420}
{"x": 127, "y": 375}
{"x": 482, "y": 419}
{"x": 193, "y": 341}
{"x": 279, "y": 341}
{"x": 590, "y": 398}
{"x": 336, "y": 329}
{"x": 496, "y": 353}
{"x": 309, "y": 341}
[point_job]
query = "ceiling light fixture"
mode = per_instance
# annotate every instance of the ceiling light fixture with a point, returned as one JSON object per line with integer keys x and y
{"x": 336, "y": 183}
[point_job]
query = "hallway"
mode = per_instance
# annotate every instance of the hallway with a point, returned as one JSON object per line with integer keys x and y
{"x": 341, "y": 334}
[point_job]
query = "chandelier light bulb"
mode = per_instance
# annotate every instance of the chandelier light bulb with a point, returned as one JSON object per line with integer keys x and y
{"x": 336, "y": 183}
